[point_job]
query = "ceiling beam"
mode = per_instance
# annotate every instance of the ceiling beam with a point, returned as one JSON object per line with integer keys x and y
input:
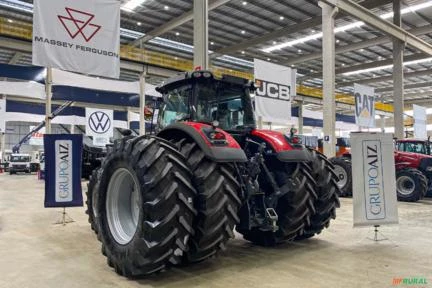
{"x": 373, "y": 64}
{"x": 313, "y": 22}
{"x": 406, "y": 87}
{"x": 168, "y": 26}
{"x": 26, "y": 47}
{"x": 15, "y": 58}
{"x": 426, "y": 72}
{"x": 383, "y": 25}
{"x": 357, "y": 46}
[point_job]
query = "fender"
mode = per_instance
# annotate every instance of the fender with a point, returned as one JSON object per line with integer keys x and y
{"x": 284, "y": 151}
{"x": 229, "y": 152}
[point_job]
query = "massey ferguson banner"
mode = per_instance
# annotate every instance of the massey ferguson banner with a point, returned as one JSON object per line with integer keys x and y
{"x": 78, "y": 35}
{"x": 63, "y": 170}
{"x": 275, "y": 86}
{"x": 374, "y": 187}
{"x": 364, "y": 105}
{"x": 99, "y": 125}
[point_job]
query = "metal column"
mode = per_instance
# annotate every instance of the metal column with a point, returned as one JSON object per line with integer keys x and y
{"x": 329, "y": 103}
{"x": 398, "y": 78}
{"x": 300, "y": 118}
{"x": 48, "y": 92}
{"x": 142, "y": 104}
{"x": 200, "y": 22}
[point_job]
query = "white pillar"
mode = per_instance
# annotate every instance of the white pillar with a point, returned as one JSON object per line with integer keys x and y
{"x": 382, "y": 123}
{"x": 142, "y": 104}
{"x": 200, "y": 22}
{"x": 48, "y": 92}
{"x": 72, "y": 129}
{"x": 329, "y": 103}
{"x": 398, "y": 85}
{"x": 300, "y": 119}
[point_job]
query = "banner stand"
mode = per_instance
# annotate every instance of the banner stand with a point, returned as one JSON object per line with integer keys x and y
{"x": 376, "y": 235}
{"x": 64, "y": 218}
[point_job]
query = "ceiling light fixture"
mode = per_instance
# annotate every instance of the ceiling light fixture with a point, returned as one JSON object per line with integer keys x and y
{"x": 243, "y": 32}
{"x": 244, "y": 3}
{"x": 139, "y": 23}
{"x": 177, "y": 34}
{"x": 351, "y": 26}
{"x": 131, "y": 5}
{"x": 281, "y": 18}
{"x": 166, "y": 7}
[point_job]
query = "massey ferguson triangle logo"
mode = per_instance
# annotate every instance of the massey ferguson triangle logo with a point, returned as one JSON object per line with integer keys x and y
{"x": 99, "y": 122}
{"x": 78, "y": 22}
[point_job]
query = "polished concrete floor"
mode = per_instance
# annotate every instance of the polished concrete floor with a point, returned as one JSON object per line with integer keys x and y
{"x": 36, "y": 253}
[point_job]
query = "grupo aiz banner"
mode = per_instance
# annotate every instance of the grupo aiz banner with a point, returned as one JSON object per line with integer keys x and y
{"x": 374, "y": 187}
{"x": 78, "y": 35}
{"x": 364, "y": 105}
{"x": 276, "y": 85}
{"x": 63, "y": 170}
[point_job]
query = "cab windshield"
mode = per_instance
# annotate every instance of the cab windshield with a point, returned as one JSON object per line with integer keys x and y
{"x": 16, "y": 158}
{"x": 206, "y": 101}
{"x": 415, "y": 147}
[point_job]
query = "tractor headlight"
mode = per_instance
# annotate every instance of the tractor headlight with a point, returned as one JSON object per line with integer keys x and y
{"x": 429, "y": 168}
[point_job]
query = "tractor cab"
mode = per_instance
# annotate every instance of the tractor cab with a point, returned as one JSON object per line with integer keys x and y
{"x": 414, "y": 146}
{"x": 200, "y": 97}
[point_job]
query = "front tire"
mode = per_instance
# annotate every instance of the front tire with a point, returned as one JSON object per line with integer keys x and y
{"x": 343, "y": 169}
{"x": 92, "y": 194}
{"x": 411, "y": 185}
{"x": 145, "y": 206}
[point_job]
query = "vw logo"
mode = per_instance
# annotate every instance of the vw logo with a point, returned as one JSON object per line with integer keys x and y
{"x": 99, "y": 122}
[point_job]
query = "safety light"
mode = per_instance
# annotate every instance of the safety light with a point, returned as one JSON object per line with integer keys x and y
{"x": 207, "y": 74}
{"x": 217, "y": 136}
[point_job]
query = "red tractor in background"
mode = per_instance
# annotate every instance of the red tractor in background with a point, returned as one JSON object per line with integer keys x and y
{"x": 176, "y": 197}
{"x": 413, "y": 170}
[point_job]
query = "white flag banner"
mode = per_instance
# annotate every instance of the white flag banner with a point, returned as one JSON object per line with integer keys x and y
{"x": 420, "y": 122}
{"x": 374, "y": 184}
{"x": 99, "y": 125}
{"x": 78, "y": 35}
{"x": 2, "y": 115}
{"x": 275, "y": 86}
{"x": 364, "y": 105}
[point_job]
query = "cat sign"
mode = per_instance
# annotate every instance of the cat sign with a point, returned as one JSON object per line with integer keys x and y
{"x": 364, "y": 105}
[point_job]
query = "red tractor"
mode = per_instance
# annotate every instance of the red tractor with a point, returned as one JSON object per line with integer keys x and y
{"x": 176, "y": 197}
{"x": 413, "y": 171}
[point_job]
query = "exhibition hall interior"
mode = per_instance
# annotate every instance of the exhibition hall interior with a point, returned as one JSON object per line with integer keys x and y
{"x": 215, "y": 143}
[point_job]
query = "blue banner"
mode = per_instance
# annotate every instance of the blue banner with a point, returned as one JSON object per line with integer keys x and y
{"x": 63, "y": 170}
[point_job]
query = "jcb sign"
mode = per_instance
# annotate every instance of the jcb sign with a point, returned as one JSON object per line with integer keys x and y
{"x": 272, "y": 90}
{"x": 364, "y": 105}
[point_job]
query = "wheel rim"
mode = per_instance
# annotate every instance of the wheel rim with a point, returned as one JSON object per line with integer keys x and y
{"x": 122, "y": 206}
{"x": 405, "y": 185}
{"x": 342, "y": 176}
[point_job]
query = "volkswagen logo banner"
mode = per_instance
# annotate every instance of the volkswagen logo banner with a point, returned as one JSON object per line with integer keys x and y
{"x": 99, "y": 125}
{"x": 63, "y": 170}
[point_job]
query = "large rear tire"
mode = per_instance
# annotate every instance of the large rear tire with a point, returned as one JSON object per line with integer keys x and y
{"x": 294, "y": 209}
{"x": 327, "y": 189}
{"x": 145, "y": 206}
{"x": 411, "y": 185}
{"x": 92, "y": 194}
{"x": 217, "y": 202}
{"x": 343, "y": 170}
